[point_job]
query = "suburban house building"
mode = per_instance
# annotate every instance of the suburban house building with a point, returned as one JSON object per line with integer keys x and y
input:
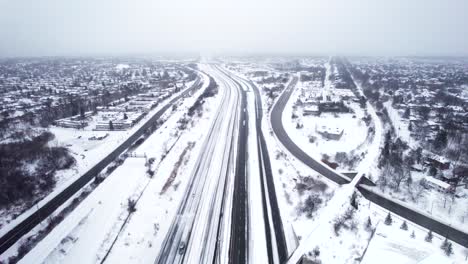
{"x": 438, "y": 162}
{"x": 311, "y": 109}
{"x": 437, "y": 184}
{"x": 67, "y": 123}
{"x": 328, "y": 132}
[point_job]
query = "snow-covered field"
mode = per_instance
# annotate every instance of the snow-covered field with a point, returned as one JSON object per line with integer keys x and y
{"x": 397, "y": 246}
{"x": 439, "y": 205}
{"x": 354, "y": 140}
{"x": 317, "y": 231}
{"x": 87, "y": 153}
{"x": 92, "y": 227}
{"x": 102, "y": 228}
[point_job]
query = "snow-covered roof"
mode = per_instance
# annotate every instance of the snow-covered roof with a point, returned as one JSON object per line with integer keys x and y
{"x": 311, "y": 108}
{"x": 437, "y": 182}
{"x": 438, "y": 158}
{"x": 333, "y": 130}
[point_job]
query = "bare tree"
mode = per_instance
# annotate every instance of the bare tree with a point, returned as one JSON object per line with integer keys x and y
{"x": 398, "y": 176}
{"x": 417, "y": 191}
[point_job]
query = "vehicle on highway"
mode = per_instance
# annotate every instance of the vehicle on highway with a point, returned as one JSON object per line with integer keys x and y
{"x": 182, "y": 247}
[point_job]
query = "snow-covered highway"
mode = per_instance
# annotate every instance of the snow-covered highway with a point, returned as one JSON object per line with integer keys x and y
{"x": 200, "y": 232}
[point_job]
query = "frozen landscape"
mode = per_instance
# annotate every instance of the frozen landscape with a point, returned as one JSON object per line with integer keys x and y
{"x": 237, "y": 132}
{"x": 257, "y": 157}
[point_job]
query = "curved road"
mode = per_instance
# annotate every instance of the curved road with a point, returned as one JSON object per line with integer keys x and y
{"x": 389, "y": 204}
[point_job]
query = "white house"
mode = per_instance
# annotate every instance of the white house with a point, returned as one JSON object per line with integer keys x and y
{"x": 437, "y": 184}
{"x": 328, "y": 132}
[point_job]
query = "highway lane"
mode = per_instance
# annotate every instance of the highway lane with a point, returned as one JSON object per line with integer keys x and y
{"x": 389, "y": 204}
{"x": 269, "y": 190}
{"x": 12, "y": 236}
{"x": 197, "y": 232}
{"x": 276, "y": 241}
{"x": 238, "y": 247}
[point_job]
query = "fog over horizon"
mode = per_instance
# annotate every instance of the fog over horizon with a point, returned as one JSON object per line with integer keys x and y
{"x": 309, "y": 27}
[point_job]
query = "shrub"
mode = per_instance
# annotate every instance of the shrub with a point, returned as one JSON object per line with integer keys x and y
{"x": 388, "y": 220}
{"x": 22, "y": 183}
{"x": 404, "y": 226}
{"x": 311, "y": 204}
{"x": 316, "y": 252}
{"x": 131, "y": 205}
{"x": 353, "y": 200}
{"x": 312, "y": 139}
{"x": 429, "y": 237}
{"x": 368, "y": 225}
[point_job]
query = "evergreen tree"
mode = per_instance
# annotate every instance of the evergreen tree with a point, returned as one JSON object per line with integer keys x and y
{"x": 412, "y": 235}
{"x": 444, "y": 244}
{"x": 440, "y": 141}
{"x": 316, "y": 252}
{"x": 407, "y": 113}
{"x": 404, "y": 226}
{"x": 429, "y": 236}
{"x": 448, "y": 250}
{"x": 353, "y": 200}
{"x": 388, "y": 219}
{"x": 369, "y": 224}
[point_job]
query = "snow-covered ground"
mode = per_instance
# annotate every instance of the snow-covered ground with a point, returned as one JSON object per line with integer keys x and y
{"x": 289, "y": 174}
{"x": 97, "y": 220}
{"x": 350, "y": 244}
{"x": 357, "y": 142}
{"x": 439, "y": 205}
{"x": 257, "y": 237}
{"x": 87, "y": 154}
{"x": 142, "y": 237}
{"x": 353, "y": 237}
{"x": 397, "y": 246}
{"x": 400, "y": 124}
{"x": 355, "y": 138}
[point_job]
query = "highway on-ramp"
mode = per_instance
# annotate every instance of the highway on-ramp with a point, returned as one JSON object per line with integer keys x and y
{"x": 274, "y": 233}
{"x": 373, "y": 196}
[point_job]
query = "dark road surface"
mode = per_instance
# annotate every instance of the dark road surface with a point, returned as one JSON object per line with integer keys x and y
{"x": 422, "y": 220}
{"x": 264, "y": 160}
{"x": 277, "y": 125}
{"x": 238, "y": 250}
{"x": 37, "y": 217}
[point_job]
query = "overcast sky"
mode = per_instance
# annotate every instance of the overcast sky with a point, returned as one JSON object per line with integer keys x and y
{"x": 348, "y": 27}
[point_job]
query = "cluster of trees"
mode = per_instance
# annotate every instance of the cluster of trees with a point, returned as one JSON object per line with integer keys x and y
{"x": 342, "y": 76}
{"x": 273, "y": 79}
{"x": 210, "y": 91}
{"x": 392, "y": 154}
{"x": 347, "y": 160}
{"x": 275, "y": 91}
{"x": 28, "y": 167}
{"x": 314, "y": 74}
{"x": 346, "y": 221}
{"x": 446, "y": 245}
{"x": 396, "y": 165}
{"x": 310, "y": 205}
